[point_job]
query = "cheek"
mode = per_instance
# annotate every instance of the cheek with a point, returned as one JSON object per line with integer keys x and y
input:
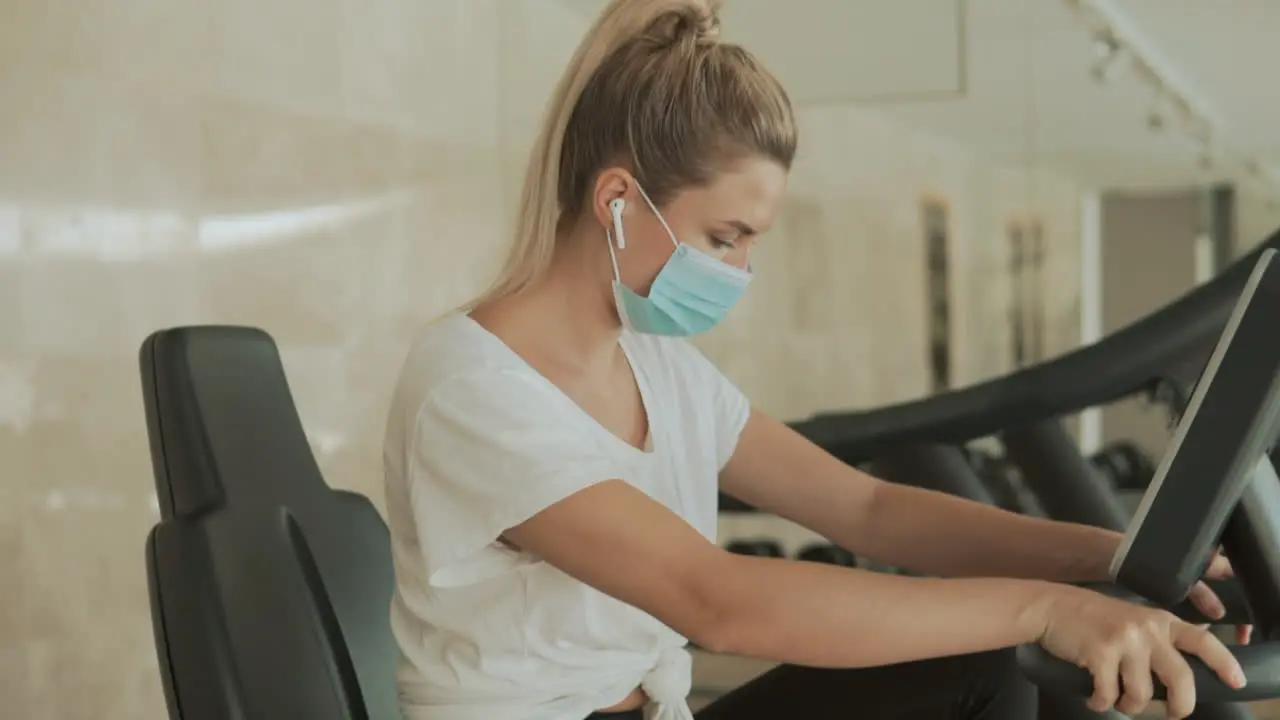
{"x": 642, "y": 260}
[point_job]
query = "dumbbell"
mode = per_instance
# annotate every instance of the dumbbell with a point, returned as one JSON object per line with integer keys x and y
{"x": 998, "y": 476}
{"x": 1125, "y": 465}
{"x": 979, "y": 460}
{"x": 828, "y": 554}
{"x": 760, "y": 547}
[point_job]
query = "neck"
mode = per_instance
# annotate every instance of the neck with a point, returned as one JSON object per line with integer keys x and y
{"x": 569, "y": 316}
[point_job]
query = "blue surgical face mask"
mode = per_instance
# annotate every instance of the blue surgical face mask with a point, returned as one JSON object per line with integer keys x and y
{"x": 691, "y": 294}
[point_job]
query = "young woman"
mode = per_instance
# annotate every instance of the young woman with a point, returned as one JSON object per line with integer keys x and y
{"x": 553, "y": 455}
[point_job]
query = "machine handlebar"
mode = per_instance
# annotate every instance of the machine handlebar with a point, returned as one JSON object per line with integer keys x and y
{"x": 1260, "y": 662}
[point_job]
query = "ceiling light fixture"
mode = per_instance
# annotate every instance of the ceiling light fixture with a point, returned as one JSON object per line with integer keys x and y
{"x": 1107, "y": 53}
{"x": 1172, "y": 111}
{"x": 1155, "y": 121}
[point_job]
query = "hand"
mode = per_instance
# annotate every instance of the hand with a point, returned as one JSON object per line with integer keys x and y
{"x": 1121, "y": 642}
{"x": 1208, "y": 602}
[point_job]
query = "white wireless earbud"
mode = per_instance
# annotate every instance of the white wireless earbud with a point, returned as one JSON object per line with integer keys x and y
{"x": 616, "y": 207}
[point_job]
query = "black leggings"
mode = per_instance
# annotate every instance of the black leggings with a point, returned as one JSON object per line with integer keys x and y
{"x": 985, "y": 686}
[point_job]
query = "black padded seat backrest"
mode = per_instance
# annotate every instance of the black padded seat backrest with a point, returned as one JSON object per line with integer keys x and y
{"x": 270, "y": 592}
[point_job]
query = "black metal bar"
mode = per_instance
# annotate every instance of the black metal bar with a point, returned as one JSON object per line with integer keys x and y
{"x": 1221, "y": 711}
{"x": 933, "y": 467}
{"x": 1068, "y": 487}
{"x": 1252, "y": 541}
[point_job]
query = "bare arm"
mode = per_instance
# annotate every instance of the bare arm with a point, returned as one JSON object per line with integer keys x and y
{"x": 778, "y": 470}
{"x": 938, "y": 534}
{"x": 617, "y": 539}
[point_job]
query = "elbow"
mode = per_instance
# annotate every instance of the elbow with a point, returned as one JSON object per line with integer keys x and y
{"x": 719, "y": 624}
{"x": 727, "y": 638}
{"x": 744, "y": 630}
{"x": 715, "y": 634}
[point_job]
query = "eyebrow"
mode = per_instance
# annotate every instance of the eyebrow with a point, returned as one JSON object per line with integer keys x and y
{"x": 742, "y": 227}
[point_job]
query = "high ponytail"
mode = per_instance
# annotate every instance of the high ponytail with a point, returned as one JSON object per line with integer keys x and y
{"x": 650, "y": 81}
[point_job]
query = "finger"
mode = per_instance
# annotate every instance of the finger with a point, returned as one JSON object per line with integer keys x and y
{"x": 1204, "y": 645}
{"x": 1219, "y": 568}
{"x": 1106, "y": 682}
{"x": 1135, "y": 675}
{"x": 1244, "y": 633}
{"x": 1180, "y": 685}
{"x": 1207, "y": 601}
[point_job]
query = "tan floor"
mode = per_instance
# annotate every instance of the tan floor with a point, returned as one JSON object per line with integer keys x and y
{"x": 716, "y": 674}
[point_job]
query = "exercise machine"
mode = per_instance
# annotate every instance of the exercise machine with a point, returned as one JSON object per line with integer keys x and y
{"x": 1160, "y": 356}
{"x": 1215, "y": 483}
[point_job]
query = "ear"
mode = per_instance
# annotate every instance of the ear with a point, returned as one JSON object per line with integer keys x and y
{"x": 612, "y": 184}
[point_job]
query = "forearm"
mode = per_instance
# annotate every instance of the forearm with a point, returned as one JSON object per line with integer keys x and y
{"x": 828, "y": 616}
{"x": 938, "y": 534}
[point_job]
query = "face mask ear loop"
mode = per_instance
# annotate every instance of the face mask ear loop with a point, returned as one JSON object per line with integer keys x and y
{"x": 613, "y": 256}
{"x": 661, "y": 219}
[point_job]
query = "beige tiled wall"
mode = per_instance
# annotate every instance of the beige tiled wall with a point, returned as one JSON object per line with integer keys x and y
{"x": 337, "y": 172}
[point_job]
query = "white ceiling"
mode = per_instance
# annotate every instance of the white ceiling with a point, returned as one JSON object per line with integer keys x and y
{"x": 1012, "y": 77}
{"x": 1226, "y": 53}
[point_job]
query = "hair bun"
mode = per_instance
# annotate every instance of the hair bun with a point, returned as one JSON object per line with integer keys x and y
{"x": 698, "y": 20}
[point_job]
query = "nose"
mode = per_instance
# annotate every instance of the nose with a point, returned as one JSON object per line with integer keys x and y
{"x": 740, "y": 258}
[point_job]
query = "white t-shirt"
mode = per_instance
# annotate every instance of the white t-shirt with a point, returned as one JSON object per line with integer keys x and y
{"x": 477, "y": 442}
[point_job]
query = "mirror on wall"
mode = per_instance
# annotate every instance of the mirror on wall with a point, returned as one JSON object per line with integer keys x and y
{"x": 1027, "y": 303}
{"x": 1035, "y": 290}
{"x": 1017, "y": 302}
{"x": 938, "y": 287}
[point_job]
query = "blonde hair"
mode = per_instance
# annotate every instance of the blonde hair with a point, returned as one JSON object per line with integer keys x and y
{"x": 650, "y": 84}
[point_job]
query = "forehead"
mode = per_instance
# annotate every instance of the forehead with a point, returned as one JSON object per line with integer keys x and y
{"x": 749, "y": 191}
